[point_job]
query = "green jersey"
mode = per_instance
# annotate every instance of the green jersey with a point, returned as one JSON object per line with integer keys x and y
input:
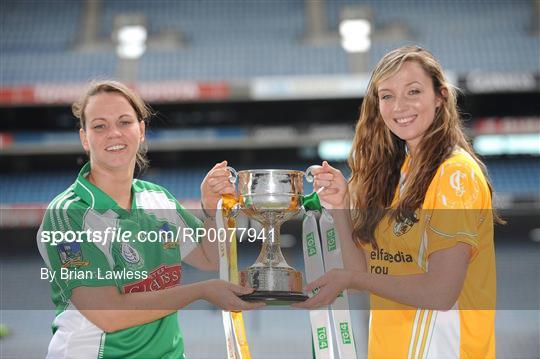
{"x": 86, "y": 239}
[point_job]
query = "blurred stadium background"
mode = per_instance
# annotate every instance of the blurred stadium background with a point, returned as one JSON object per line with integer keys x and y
{"x": 263, "y": 84}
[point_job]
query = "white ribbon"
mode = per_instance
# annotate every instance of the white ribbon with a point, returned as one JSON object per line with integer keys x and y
{"x": 321, "y": 329}
{"x": 317, "y": 262}
{"x": 340, "y": 307}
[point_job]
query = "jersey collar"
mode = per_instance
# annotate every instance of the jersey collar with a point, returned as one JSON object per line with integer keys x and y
{"x": 402, "y": 177}
{"x": 95, "y": 197}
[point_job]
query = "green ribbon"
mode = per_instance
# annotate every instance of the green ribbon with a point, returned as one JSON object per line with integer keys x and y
{"x": 311, "y": 202}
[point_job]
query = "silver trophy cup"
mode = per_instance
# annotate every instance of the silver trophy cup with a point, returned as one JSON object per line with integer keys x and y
{"x": 271, "y": 197}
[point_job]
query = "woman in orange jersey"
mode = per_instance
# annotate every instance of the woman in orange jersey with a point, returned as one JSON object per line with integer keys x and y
{"x": 419, "y": 236}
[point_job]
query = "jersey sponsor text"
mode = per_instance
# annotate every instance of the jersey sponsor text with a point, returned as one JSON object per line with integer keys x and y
{"x": 160, "y": 278}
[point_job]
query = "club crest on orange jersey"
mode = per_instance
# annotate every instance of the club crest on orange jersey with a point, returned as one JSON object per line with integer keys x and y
{"x": 400, "y": 228}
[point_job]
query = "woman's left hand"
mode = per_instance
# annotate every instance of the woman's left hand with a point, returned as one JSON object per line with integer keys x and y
{"x": 215, "y": 184}
{"x": 329, "y": 287}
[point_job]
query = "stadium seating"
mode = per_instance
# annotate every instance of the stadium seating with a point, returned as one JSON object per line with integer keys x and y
{"x": 38, "y": 46}
{"x": 38, "y": 27}
{"x": 517, "y": 177}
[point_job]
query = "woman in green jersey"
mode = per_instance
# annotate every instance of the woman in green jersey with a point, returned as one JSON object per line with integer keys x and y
{"x": 114, "y": 245}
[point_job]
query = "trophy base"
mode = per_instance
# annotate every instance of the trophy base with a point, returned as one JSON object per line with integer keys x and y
{"x": 272, "y": 279}
{"x": 274, "y": 297}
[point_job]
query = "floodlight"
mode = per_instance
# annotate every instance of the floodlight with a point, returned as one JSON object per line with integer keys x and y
{"x": 355, "y": 35}
{"x": 131, "y": 41}
{"x": 132, "y": 34}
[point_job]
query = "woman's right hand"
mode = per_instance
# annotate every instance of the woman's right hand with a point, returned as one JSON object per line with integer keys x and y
{"x": 335, "y": 191}
{"x": 225, "y": 295}
{"x": 215, "y": 184}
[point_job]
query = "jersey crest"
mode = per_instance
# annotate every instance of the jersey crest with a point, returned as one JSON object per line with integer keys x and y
{"x": 462, "y": 187}
{"x": 71, "y": 255}
{"x": 130, "y": 254}
{"x": 166, "y": 235}
{"x": 400, "y": 228}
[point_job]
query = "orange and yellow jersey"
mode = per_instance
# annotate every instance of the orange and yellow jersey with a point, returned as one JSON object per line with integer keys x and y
{"x": 457, "y": 208}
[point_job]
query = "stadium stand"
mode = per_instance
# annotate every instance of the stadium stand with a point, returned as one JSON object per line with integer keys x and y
{"x": 240, "y": 41}
{"x": 39, "y": 27}
{"x": 517, "y": 177}
{"x": 38, "y": 46}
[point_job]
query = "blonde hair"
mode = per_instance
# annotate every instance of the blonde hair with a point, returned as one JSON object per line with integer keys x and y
{"x": 377, "y": 154}
{"x": 142, "y": 110}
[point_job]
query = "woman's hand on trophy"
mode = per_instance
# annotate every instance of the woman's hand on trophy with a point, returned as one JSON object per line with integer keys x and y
{"x": 214, "y": 185}
{"x": 327, "y": 288}
{"x": 225, "y": 295}
{"x": 331, "y": 186}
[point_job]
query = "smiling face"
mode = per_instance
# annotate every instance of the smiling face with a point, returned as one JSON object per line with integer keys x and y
{"x": 407, "y": 103}
{"x": 112, "y": 134}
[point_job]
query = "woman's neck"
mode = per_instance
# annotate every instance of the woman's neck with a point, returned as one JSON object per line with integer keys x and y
{"x": 409, "y": 149}
{"x": 117, "y": 184}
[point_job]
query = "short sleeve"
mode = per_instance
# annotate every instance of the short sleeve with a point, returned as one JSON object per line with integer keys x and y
{"x": 456, "y": 203}
{"x": 71, "y": 256}
{"x": 186, "y": 216}
{"x": 185, "y": 219}
{"x": 189, "y": 244}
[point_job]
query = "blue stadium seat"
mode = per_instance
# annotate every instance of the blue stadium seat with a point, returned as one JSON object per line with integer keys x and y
{"x": 235, "y": 40}
{"x": 517, "y": 177}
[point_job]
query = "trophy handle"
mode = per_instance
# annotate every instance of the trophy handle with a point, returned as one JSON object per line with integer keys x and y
{"x": 311, "y": 201}
{"x": 308, "y": 175}
{"x": 234, "y": 174}
{"x": 235, "y": 208}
